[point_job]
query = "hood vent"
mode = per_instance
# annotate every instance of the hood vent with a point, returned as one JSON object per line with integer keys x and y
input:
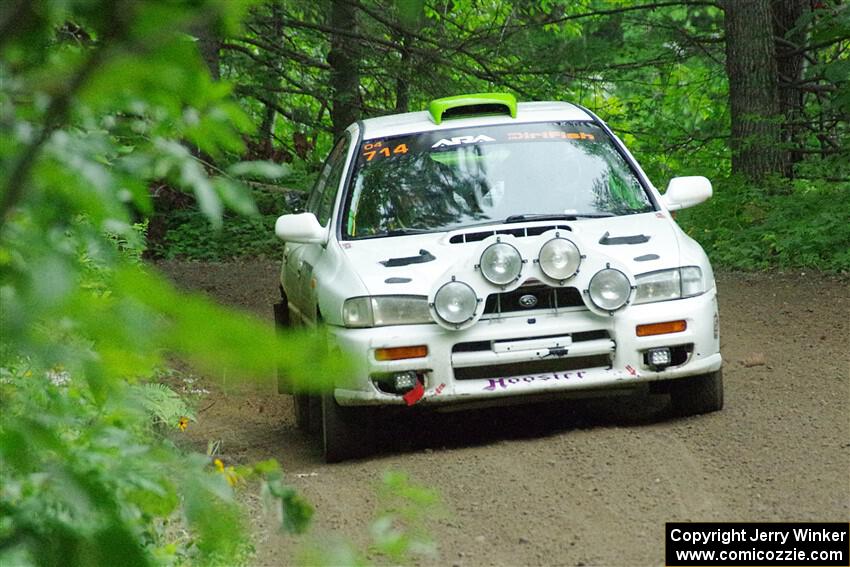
{"x": 423, "y": 257}
{"x": 518, "y": 232}
{"x": 608, "y": 240}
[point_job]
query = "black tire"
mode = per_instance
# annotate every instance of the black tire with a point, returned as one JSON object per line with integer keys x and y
{"x": 308, "y": 412}
{"x": 302, "y": 411}
{"x": 281, "y": 323}
{"x": 697, "y": 394}
{"x": 347, "y": 432}
{"x": 281, "y": 314}
{"x": 314, "y": 427}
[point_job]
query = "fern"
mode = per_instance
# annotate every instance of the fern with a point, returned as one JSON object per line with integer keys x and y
{"x": 164, "y": 405}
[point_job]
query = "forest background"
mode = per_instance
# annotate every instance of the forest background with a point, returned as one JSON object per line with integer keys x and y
{"x": 751, "y": 94}
{"x": 135, "y": 129}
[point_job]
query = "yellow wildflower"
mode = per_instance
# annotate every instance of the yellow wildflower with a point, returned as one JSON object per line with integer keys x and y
{"x": 183, "y": 423}
{"x": 232, "y": 476}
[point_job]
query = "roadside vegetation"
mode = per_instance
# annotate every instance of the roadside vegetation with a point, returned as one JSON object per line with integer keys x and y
{"x": 145, "y": 129}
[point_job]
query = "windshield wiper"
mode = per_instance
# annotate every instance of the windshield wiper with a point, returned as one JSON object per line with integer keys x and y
{"x": 404, "y": 231}
{"x": 555, "y": 216}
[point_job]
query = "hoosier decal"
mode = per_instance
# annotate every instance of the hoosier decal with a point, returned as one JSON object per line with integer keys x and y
{"x": 505, "y": 383}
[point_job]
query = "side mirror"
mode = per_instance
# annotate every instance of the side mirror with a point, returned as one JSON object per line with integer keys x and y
{"x": 302, "y": 228}
{"x": 684, "y": 192}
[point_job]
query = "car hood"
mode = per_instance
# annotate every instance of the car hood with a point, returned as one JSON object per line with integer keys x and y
{"x": 413, "y": 264}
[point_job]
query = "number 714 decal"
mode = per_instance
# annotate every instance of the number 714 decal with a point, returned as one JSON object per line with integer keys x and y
{"x": 371, "y": 150}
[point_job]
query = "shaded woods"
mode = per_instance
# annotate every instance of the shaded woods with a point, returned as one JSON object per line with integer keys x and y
{"x": 752, "y": 94}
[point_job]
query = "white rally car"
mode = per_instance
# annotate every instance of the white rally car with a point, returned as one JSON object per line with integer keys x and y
{"x": 486, "y": 251}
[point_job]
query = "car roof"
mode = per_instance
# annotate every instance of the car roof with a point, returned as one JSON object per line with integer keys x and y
{"x": 410, "y": 122}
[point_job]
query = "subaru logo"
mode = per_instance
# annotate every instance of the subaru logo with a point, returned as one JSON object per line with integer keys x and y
{"x": 528, "y": 301}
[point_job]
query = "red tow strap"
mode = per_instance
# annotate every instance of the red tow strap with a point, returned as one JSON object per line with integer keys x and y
{"x": 416, "y": 394}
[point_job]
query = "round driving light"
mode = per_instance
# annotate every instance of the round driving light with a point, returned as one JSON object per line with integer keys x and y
{"x": 501, "y": 263}
{"x": 455, "y": 302}
{"x": 559, "y": 259}
{"x": 609, "y": 289}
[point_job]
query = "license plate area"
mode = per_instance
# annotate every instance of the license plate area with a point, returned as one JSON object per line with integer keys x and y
{"x": 538, "y": 343}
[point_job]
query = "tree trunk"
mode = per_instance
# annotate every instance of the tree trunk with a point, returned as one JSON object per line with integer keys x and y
{"x": 789, "y": 63}
{"x": 271, "y": 80}
{"x": 209, "y": 45}
{"x": 266, "y": 132}
{"x": 345, "y": 78}
{"x": 753, "y": 88}
{"x": 402, "y": 82}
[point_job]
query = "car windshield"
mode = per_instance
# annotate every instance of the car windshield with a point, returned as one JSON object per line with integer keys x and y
{"x": 447, "y": 179}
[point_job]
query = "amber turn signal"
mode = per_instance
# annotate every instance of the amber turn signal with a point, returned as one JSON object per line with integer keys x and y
{"x": 661, "y": 328}
{"x": 401, "y": 353}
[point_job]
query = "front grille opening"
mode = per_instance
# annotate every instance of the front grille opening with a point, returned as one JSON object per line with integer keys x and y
{"x": 473, "y": 346}
{"x": 545, "y": 297}
{"x": 518, "y": 232}
{"x": 590, "y": 336}
{"x": 534, "y": 367}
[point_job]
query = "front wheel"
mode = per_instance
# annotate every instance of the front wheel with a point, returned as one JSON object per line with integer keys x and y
{"x": 697, "y": 394}
{"x": 301, "y": 403}
{"x": 347, "y": 432}
{"x": 308, "y": 412}
{"x": 282, "y": 322}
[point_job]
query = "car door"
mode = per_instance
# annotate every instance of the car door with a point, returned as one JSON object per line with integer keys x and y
{"x": 301, "y": 259}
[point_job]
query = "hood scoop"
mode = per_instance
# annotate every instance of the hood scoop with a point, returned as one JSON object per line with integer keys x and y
{"x": 423, "y": 257}
{"x": 480, "y": 235}
{"x": 608, "y": 240}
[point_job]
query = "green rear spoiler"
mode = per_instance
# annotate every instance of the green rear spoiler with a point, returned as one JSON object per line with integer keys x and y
{"x": 472, "y": 105}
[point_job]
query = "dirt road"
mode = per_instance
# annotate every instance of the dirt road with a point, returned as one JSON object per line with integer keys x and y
{"x": 588, "y": 483}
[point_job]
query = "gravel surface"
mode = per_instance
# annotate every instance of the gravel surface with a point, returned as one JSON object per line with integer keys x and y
{"x": 578, "y": 483}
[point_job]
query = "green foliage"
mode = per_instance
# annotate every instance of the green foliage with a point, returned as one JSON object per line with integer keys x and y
{"x": 84, "y": 481}
{"x": 294, "y": 512}
{"x": 800, "y": 224}
{"x": 188, "y": 235}
{"x": 399, "y": 533}
{"x": 99, "y": 101}
{"x": 164, "y": 404}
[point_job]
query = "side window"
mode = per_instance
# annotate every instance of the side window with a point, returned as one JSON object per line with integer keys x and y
{"x": 324, "y": 193}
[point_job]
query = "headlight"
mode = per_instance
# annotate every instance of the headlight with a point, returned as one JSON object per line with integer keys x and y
{"x": 669, "y": 284}
{"x": 357, "y": 312}
{"x": 609, "y": 289}
{"x": 559, "y": 259}
{"x": 384, "y": 310}
{"x": 501, "y": 263}
{"x": 455, "y": 302}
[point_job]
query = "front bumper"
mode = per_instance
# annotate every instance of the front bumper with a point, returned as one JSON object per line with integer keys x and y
{"x": 507, "y": 356}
